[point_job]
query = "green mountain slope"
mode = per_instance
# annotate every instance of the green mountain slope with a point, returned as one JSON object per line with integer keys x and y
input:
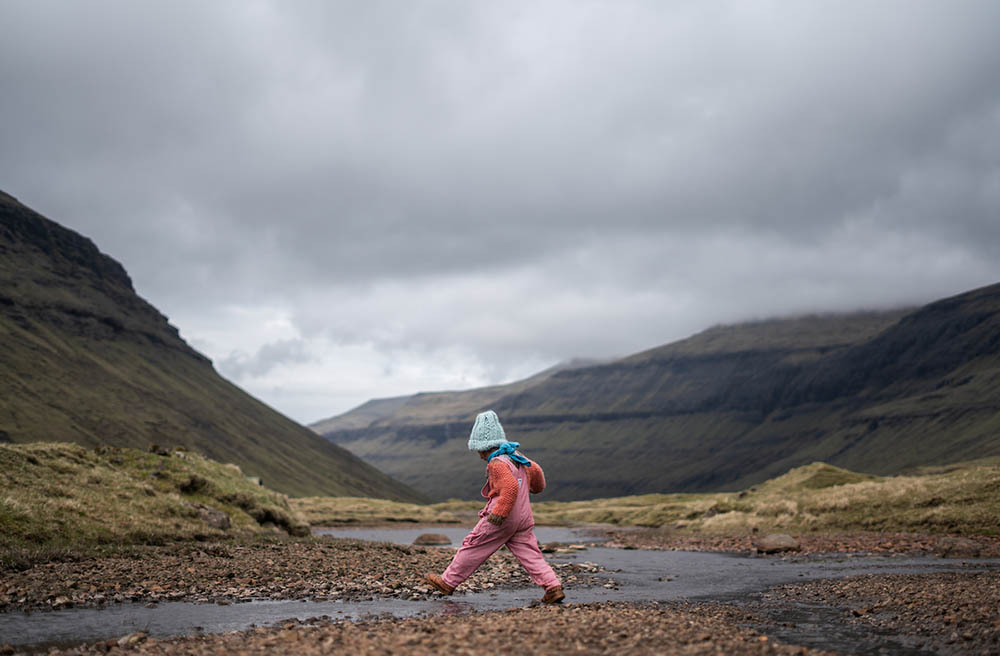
{"x": 876, "y": 392}
{"x": 84, "y": 359}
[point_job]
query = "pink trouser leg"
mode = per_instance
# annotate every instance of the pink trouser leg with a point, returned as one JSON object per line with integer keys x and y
{"x": 524, "y": 546}
{"x": 477, "y": 546}
{"x": 483, "y": 542}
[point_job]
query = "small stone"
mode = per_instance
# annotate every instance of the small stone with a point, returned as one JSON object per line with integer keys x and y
{"x": 132, "y": 639}
{"x": 431, "y": 539}
{"x": 212, "y": 517}
{"x": 949, "y": 547}
{"x": 775, "y": 543}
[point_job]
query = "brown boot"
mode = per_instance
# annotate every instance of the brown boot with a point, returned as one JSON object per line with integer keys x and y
{"x": 438, "y": 583}
{"x": 553, "y": 595}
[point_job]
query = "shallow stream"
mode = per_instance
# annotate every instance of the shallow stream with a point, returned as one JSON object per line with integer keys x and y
{"x": 632, "y": 575}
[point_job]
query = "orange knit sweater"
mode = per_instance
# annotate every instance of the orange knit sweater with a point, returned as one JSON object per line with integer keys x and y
{"x": 503, "y": 484}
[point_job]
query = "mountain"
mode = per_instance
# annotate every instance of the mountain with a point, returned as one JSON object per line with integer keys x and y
{"x": 434, "y": 406}
{"x": 84, "y": 359}
{"x": 877, "y": 392}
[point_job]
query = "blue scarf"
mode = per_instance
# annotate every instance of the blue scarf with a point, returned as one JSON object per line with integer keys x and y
{"x": 507, "y": 449}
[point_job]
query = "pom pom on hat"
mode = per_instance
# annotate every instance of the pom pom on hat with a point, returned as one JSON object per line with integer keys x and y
{"x": 487, "y": 433}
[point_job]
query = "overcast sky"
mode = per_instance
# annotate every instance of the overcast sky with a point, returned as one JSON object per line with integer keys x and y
{"x": 344, "y": 200}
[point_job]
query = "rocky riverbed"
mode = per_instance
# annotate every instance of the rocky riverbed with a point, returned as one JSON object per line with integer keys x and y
{"x": 574, "y": 629}
{"x": 949, "y": 612}
{"x": 318, "y": 569}
{"x": 946, "y": 613}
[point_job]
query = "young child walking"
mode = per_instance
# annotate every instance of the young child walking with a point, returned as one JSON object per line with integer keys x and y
{"x": 506, "y": 519}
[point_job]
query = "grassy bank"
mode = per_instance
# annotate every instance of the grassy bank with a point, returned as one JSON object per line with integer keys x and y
{"x": 962, "y": 498}
{"x": 57, "y": 496}
{"x": 337, "y": 511}
{"x": 61, "y": 496}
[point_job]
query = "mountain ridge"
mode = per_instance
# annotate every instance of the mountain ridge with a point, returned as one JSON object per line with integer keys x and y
{"x": 734, "y": 405}
{"x": 86, "y": 360}
{"x": 403, "y": 409}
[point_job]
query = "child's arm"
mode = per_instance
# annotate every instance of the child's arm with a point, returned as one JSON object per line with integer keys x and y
{"x": 503, "y": 481}
{"x": 536, "y": 478}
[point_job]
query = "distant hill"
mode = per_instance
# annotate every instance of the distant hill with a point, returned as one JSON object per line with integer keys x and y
{"x": 875, "y": 392}
{"x": 435, "y": 406}
{"x": 86, "y": 360}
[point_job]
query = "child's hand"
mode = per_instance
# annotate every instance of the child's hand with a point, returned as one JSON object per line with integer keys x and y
{"x": 496, "y": 520}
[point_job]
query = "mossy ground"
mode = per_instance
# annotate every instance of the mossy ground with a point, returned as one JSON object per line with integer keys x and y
{"x": 60, "y": 496}
{"x": 962, "y": 498}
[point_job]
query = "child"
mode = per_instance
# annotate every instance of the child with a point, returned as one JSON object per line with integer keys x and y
{"x": 506, "y": 519}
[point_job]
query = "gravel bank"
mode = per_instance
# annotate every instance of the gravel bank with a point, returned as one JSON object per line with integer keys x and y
{"x": 946, "y": 613}
{"x": 572, "y": 629}
{"x": 916, "y": 544}
{"x": 320, "y": 569}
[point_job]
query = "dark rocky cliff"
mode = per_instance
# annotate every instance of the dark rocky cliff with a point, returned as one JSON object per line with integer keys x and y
{"x": 84, "y": 359}
{"x": 60, "y": 277}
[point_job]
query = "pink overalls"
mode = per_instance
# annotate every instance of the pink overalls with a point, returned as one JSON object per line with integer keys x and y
{"x": 516, "y": 532}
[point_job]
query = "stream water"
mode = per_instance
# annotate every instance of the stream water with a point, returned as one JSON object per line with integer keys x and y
{"x": 632, "y": 576}
{"x": 407, "y": 535}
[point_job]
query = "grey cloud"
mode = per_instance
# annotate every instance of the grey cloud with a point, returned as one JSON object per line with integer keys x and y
{"x": 241, "y": 366}
{"x": 632, "y": 168}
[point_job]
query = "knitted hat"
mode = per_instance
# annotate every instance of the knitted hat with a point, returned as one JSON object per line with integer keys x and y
{"x": 487, "y": 433}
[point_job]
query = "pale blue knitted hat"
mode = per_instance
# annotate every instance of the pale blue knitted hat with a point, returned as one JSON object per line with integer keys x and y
{"x": 487, "y": 433}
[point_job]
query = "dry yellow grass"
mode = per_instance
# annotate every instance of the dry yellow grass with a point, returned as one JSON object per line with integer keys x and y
{"x": 962, "y": 498}
{"x": 332, "y": 511}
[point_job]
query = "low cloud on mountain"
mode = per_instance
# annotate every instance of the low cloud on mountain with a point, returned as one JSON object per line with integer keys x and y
{"x": 344, "y": 200}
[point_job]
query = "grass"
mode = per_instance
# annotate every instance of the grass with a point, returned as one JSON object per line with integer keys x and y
{"x": 962, "y": 498}
{"x": 62, "y": 497}
{"x": 333, "y": 511}
{"x": 131, "y": 394}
